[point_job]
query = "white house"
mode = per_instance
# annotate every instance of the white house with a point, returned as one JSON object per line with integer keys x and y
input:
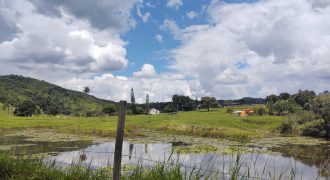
{"x": 153, "y": 111}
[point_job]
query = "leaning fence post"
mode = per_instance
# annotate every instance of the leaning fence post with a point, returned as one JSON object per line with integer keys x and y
{"x": 119, "y": 140}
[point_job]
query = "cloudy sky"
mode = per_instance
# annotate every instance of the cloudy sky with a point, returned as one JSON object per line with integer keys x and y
{"x": 221, "y": 48}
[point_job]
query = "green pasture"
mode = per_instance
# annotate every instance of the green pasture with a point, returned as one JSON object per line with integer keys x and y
{"x": 216, "y": 123}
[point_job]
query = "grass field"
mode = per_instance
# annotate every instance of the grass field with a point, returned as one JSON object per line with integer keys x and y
{"x": 216, "y": 123}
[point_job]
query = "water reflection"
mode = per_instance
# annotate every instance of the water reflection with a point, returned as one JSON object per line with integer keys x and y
{"x": 131, "y": 146}
{"x": 20, "y": 146}
{"x": 317, "y": 155}
{"x": 148, "y": 154}
{"x": 308, "y": 161}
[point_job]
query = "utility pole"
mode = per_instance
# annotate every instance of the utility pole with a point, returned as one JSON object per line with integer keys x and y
{"x": 148, "y": 106}
{"x": 133, "y": 101}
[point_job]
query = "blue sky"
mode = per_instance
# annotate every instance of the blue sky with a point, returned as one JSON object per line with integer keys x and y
{"x": 144, "y": 48}
{"x": 228, "y": 49}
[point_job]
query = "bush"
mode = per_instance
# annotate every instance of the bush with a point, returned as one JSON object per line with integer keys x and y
{"x": 91, "y": 114}
{"x": 289, "y": 124}
{"x": 295, "y": 119}
{"x": 109, "y": 109}
{"x": 314, "y": 129}
{"x": 229, "y": 110}
{"x": 287, "y": 127}
{"x": 305, "y": 116}
{"x": 261, "y": 111}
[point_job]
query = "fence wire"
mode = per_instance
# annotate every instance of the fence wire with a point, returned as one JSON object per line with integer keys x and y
{"x": 194, "y": 168}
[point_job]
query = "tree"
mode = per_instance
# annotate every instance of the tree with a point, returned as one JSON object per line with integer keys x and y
{"x": 133, "y": 101}
{"x": 280, "y": 107}
{"x": 109, "y": 109}
{"x": 185, "y": 103}
{"x": 167, "y": 108}
{"x": 139, "y": 110}
{"x": 321, "y": 106}
{"x": 272, "y": 99}
{"x": 304, "y": 98}
{"x": 147, "y": 105}
{"x": 261, "y": 111}
{"x": 284, "y": 96}
{"x": 284, "y": 106}
{"x": 26, "y": 108}
{"x": 175, "y": 100}
{"x": 209, "y": 102}
{"x": 86, "y": 90}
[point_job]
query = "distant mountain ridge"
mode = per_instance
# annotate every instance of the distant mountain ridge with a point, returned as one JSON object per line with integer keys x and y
{"x": 242, "y": 101}
{"x": 15, "y": 89}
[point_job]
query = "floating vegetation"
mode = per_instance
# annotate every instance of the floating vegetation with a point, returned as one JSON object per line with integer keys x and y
{"x": 242, "y": 150}
{"x": 48, "y": 135}
{"x": 197, "y": 149}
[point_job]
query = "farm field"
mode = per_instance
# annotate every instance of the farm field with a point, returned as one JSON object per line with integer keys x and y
{"x": 216, "y": 123}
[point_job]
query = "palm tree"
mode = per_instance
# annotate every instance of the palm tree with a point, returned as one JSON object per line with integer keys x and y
{"x": 86, "y": 91}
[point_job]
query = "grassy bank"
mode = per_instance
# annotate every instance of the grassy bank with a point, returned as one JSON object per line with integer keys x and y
{"x": 19, "y": 168}
{"x": 215, "y": 123}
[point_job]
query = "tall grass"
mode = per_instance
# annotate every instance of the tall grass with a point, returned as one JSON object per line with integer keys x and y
{"x": 20, "y": 168}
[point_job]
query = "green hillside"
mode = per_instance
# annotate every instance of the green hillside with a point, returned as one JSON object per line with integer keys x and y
{"x": 51, "y": 99}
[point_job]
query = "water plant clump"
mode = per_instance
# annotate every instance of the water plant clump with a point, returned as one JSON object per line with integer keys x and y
{"x": 199, "y": 149}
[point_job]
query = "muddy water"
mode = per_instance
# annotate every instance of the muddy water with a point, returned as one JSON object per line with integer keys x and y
{"x": 307, "y": 161}
{"x": 21, "y": 146}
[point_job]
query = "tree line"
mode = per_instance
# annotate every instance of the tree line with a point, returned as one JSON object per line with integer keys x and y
{"x": 306, "y": 113}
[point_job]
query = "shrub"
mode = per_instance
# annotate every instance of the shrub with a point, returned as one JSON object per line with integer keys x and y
{"x": 289, "y": 124}
{"x": 261, "y": 111}
{"x": 287, "y": 127}
{"x": 314, "y": 129}
{"x": 305, "y": 116}
{"x": 109, "y": 109}
{"x": 91, "y": 114}
{"x": 229, "y": 110}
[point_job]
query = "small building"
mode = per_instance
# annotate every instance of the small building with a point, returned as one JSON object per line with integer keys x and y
{"x": 238, "y": 113}
{"x": 153, "y": 111}
{"x": 243, "y": 113}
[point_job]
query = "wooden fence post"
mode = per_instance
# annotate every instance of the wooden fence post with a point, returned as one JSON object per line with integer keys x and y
{"x": 119, "y": 140}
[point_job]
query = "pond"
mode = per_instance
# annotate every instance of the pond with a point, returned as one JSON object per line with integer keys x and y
{"x": 306, "y": 161}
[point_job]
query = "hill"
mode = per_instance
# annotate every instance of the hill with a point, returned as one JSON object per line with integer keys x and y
{"x": 50, "y": 98}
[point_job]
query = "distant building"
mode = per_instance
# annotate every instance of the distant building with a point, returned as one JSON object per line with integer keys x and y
{"x": 154, "y": 111}
{"x": 243, "y": 113}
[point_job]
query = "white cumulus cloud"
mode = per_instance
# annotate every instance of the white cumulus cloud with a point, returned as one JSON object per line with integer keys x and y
{"x": 59, "y": 44}
{"x": 147, "y": 70}
{"x": 159, "y": 38}
{"x": 191, "y": 14}
{"x": 159, "y": 87}
{"x": 174, "y": 3}
{"x": 254, "y": 49}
